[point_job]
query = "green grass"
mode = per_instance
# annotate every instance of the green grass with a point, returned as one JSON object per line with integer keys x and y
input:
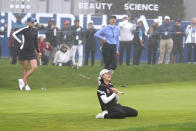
{"x": 164, "y": 95}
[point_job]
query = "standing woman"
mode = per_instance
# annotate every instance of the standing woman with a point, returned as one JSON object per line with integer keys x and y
{"x": 110, "y": 35}
{"x": 28, "y": 51}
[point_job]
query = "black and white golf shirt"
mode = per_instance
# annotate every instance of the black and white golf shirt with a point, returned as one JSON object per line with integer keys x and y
{"x": 106, "y": 96}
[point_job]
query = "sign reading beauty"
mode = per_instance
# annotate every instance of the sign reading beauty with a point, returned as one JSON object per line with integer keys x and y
{"x": 127, "y": 6}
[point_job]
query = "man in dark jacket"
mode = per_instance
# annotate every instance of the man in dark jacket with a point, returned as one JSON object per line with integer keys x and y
{"x": 15, "y": 45}
{"x": 79, "y": 37}
{"x": 153, "y": 42}
{"x": 66, "y": 35}
{"x": 139, "y": 37}
{"x": 178, "y": 41}
{"x": 3, "y": 33}
{"x": 52, "y": 35}
{"x": 90, "y": 43}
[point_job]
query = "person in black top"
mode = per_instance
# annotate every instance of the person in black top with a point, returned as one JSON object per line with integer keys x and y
{"x": 139, "y": 37}
{"x": 108, "y": 97}
{"x": 28, "y": 51}
{"x": 178, "y": 41}
{"x": 153, "y": 41}
{"x": 3, "y": 33}
{"x": 90, "y": 43}
{"x": 79, "y": 39}
{"x": 66, "y": 34}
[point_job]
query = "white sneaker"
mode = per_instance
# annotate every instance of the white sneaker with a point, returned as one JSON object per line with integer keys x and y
{"x": 27, "y": 88}
{"x": 21, "y": 83}
{"x": 101, "y": 115}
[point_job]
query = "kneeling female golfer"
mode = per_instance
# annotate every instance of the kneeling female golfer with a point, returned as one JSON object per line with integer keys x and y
{"x": 108, "y": 97}
{"x": 28, "y": 51}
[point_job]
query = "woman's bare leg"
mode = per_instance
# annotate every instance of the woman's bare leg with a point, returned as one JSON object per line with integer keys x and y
{"x": 34, "y": 66}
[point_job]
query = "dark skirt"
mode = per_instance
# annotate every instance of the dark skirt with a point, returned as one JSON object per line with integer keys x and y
{"x": 27, "y": 55}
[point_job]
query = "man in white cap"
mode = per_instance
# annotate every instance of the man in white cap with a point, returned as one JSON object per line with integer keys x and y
{"x": 126, "y": 37}
{"x": 108, "y": 98}
{"x": 166, "y": 42}
{"x": 153, "y": 41}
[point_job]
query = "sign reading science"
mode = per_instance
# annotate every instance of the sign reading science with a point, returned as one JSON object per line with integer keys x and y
{"x": 127, "y": 6}
{"x": 141, "y": 7}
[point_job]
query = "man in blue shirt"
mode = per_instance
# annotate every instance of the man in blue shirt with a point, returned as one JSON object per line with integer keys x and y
{"x": 166, "y": 42}
{"x": 110, "y": 35}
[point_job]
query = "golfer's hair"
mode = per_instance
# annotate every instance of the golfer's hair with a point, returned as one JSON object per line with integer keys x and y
{"x": 100, "y": 80}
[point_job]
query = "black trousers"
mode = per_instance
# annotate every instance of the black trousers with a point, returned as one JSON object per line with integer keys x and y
{"x": 16, "y": 52}
{"x": 177, "y": 47}
{"x": 118, "y": 111}
{"x": 152, "y": 51}
{"x": 45, "y": 59}
{"x": 109, "y": 56}
{"x": 88, "y": 51}
{"x": 125, "y": 45}
{"x": 190, "y": 46}
{"x": 137, "y": 53}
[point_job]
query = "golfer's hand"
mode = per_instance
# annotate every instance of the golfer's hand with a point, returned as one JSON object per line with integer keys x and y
{"x": 115, "y": 90}
{"x": 21, "y": 42}
{"x": 22, "y": 45}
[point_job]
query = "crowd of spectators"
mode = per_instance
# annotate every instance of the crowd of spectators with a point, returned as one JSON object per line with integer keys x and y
{"x": 60, "y": 46}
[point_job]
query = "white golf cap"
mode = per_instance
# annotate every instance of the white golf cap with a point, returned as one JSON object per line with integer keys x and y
{"x": 156, "y": 20}
{"x": 139, "y": 20}
{"x": 104, "y": 71}
{"x": 166, "y": 18}
{"x": 124, "y": 16}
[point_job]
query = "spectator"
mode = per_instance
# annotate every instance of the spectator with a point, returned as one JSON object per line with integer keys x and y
{"x": 191, "y": 40}
{"x": 178, "y": 41}
{"x": 62, "y": 57}
{"x": 16, "y": 46}
{"x": 52, "y": 36}
{"x": 45, "y": 49}
{"x": 153, "y": 42}
{"x": 139, "y": 37}
{"x": 166, "y": 42}
{"x": 79, "y": 37}
{"x": 101, "y": 43}
{"x": 110, "y": 34}
{"x": 3, "y": 33}
{"x": 90, "y": 43}
{"x": 66, "y": 34}
{"x": 126, "y": 38}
